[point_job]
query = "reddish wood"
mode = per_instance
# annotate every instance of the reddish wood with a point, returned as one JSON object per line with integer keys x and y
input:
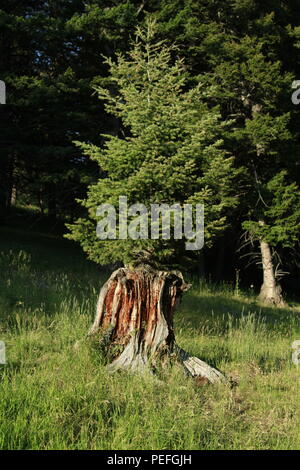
{"x": 134, "y": 320}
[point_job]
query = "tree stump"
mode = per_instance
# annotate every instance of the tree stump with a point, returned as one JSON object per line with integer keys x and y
{"x": 134, "y": 322}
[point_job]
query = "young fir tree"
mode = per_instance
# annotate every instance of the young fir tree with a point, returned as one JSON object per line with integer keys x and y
{"x": 170, "y": 151}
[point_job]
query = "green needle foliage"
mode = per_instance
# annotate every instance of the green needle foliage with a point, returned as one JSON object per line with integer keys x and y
{"x": 170, "y": 151}
{"x": 281, "y": 214}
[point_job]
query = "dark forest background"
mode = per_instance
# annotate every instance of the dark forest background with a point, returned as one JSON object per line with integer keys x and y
{"x": 52, "y": 55}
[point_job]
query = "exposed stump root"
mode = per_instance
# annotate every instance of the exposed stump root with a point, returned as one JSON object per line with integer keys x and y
{"x": 134, "y": 323}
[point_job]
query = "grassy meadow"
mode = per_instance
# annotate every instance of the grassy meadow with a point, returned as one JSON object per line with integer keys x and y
{"x": 55, "y": 392}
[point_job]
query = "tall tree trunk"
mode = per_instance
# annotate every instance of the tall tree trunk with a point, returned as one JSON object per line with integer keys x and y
{"x": 134, "y": 323}
{"x": 220, "y": 260}
{"x": 51, "y": 200}
{"x": 13, "y": 199}
{"x": 270, "y": 290}
{"x": 9, "y": 182}
{"x": 201, "y": 265}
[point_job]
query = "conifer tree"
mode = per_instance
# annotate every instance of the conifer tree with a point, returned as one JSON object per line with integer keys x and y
{"x": 255, "y": 89}
{"x": 170, "y": 151}
{"x": 249, "y": 53}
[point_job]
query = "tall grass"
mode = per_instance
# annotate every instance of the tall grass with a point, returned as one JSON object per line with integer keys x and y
{"x": 55, "y": 392}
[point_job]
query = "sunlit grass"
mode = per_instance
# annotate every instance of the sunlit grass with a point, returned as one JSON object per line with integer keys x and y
{"x": 56, "y": 394}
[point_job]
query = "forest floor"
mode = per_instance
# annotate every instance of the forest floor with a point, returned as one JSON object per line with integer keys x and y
{"x": 55, "y": 391}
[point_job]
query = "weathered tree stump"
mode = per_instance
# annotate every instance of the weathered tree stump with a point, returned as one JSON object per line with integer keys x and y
{"x": 134, "y": 322}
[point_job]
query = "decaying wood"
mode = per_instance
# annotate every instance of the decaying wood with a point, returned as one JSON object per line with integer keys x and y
{"x": 134, "y": 322}
{"x": 197, "y": 368}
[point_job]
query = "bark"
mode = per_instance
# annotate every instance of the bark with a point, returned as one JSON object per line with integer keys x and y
{"x": 134, "y": 323}
{"x": 220, "y": 261}
{"x": 201, "y": 266}
{"x": 13, "y": 199}
{"x": 270, "y": 290}
{"x": 52, "y": 203}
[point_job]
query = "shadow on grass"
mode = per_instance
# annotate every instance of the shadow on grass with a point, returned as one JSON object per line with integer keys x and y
{"x": 215, "y": 313}
{"x": 220, "y": 328}
{"x": 39, "y": 273}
